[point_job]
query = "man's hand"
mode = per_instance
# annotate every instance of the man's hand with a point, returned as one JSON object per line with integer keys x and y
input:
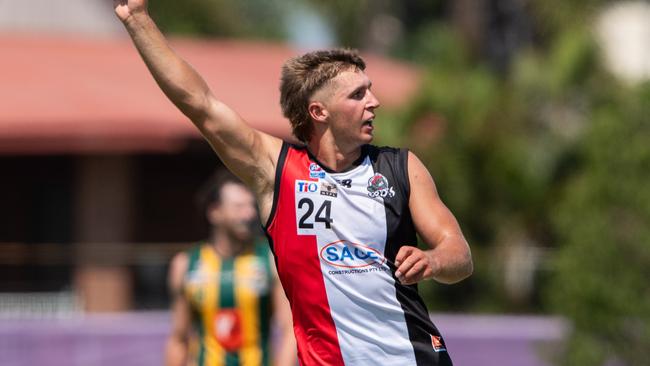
{"x": 414, "y": 265}
{"x": 126, "y": 8}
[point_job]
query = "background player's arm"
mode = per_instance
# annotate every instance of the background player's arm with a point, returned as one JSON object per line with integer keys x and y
{"x": 248, "y": 153}
{"x": 449, "y": 260}
{"x": 285, "y": 353}
{"x": 176, "y": 348}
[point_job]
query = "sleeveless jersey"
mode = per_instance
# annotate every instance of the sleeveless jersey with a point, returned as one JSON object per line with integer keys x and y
{"x": 335, "y": 237}
{"x": 230, "y": 301}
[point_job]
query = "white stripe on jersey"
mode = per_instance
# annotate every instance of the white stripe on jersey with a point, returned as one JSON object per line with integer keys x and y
{"x": 369, "y": 320}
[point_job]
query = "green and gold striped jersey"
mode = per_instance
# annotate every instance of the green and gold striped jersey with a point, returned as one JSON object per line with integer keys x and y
{"x": 231, "y": 303}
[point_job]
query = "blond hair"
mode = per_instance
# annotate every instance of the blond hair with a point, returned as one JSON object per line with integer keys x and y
{"x": 302, "y": 76}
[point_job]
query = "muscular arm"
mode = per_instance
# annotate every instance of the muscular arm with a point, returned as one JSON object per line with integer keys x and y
{"x": 449, "y": 259}
{"x": 177, "y": 341}
{"x": 248, "y": 153}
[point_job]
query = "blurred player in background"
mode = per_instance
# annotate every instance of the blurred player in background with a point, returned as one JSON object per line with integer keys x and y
{"x": 226, "y": 289}
{"x": 342, "y": 215}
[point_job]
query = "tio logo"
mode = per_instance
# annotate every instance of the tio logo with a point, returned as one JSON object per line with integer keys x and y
{"x": 306, "y": 186}
{"x": 345, "y": 254}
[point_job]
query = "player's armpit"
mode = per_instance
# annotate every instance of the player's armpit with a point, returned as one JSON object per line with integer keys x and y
{"x": 249, "y": 153}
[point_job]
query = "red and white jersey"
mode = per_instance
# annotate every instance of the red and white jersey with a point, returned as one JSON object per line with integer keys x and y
{"x": 335, "y": 236}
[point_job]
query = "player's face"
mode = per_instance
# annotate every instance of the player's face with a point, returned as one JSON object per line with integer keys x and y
{"x": 235, "y": 214}
{"x": 352, "y": 108}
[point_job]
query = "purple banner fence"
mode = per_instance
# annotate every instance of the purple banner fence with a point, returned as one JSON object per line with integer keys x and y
{"x": 137, "y": 339}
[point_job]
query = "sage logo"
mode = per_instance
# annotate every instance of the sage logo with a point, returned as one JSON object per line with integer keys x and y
{"x": 378, "y": 187}
{"x": 346, "y": 254}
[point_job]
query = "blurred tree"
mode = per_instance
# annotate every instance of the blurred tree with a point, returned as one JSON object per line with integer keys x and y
{"x": 553, "y": 153}
{"x": 552, "y": 17}
{"x": 224, "y": 18}
{"x": 348, "y": 18}
{"x": 497, "y": 148}
{"x": 603, "y": 226}
{"x": 377, "y": 25}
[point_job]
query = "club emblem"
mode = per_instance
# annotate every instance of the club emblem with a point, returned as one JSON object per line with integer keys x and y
{"x": 378, "y": 187}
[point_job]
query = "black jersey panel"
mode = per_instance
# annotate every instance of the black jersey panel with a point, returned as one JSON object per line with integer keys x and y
{"x": 392, "y": 163}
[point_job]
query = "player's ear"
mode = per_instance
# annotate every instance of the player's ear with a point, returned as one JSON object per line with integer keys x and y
{"x": 318, "y": 111}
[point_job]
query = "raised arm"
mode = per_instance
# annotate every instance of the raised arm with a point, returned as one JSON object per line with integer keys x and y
{"x": 449, "y": 259}
{"x": 248, "y": 153}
